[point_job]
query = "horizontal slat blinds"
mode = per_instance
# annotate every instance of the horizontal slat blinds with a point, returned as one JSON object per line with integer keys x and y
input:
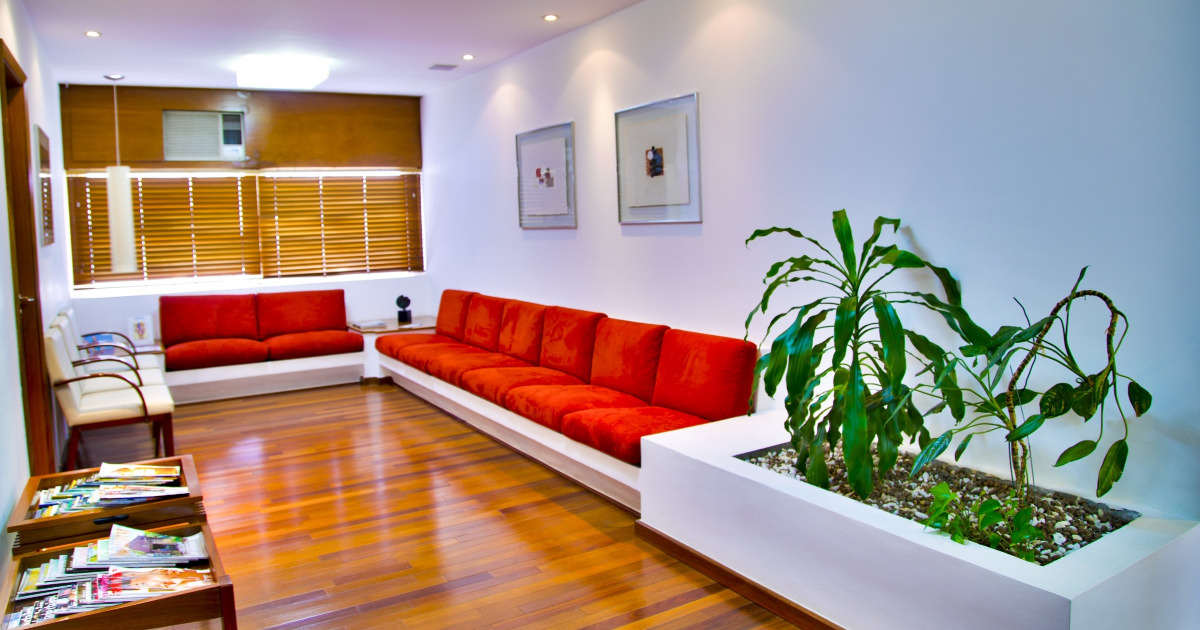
{"x": 253, "y": 224}
{"x": 335, "y": 224}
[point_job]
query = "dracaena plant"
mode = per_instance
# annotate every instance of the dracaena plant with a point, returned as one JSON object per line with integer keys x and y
{"x": 992, "y": 409}
{"x": 842, "y": 358}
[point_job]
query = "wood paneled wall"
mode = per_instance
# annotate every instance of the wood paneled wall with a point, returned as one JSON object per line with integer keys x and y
{"x": 282, "y": 129}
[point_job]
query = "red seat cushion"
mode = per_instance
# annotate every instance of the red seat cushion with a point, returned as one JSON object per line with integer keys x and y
{"x": 452, "y": 313}
{"x": 196, "y": 317}
{"x": 451, "y": 366}
{"x": 300, "y": 311}
{"x": 547, "y": 404}
{"x": 705, "y": 375}
{"x": 521, "y": 330}
{"x": 568, "y": 339}
{"x": 204, "y": 353}
{"x": 494, "y": 383}
{"x": 391, "y": 344}
{"x": 482, "y": 327}
{"x": 626, "y": 356}
{"x": 313, "y": 344}
{"x": 618, "y": 432}
{"x": 419, "y": 355}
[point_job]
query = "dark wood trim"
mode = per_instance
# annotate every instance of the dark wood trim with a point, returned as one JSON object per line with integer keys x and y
{"x": 785, "y": 608}
{"x": 35, "y": 387}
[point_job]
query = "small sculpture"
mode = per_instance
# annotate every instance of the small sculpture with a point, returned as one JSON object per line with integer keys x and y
{"x": 403, "y": 316}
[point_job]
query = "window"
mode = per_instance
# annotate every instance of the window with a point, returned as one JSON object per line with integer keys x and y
{"x": 252, "y": 224}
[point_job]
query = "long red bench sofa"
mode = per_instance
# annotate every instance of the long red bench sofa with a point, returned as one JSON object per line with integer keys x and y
{"x": 205, "y": 336}
{"x": 599, "y": 381}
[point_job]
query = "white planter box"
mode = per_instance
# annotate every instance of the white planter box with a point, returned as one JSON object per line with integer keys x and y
{"x": 862, "y": 568}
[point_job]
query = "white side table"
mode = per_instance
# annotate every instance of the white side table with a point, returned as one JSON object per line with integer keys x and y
{"x": 423, "y": 323}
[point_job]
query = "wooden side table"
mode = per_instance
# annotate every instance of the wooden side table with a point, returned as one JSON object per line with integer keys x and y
{"x": 422, "y": 323}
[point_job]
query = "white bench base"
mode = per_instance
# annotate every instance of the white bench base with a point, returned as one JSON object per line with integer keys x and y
{"x": 252, "y": 379}
{"x": 602, "y": 473}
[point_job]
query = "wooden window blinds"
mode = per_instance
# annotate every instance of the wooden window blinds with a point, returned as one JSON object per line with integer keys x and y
{"x": 256, "y": 224}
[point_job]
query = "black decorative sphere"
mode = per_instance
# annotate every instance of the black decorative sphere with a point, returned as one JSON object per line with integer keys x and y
{"x": 403, "y": 301}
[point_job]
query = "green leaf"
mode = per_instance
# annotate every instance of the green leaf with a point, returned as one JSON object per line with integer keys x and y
{"x": 843, "y": 327}
{"x": 777, "y": 361}
{"x": 880, "y": 222}
{"x": 990, "y": 519}
{"x": 856, "y": 437}
{"x": 1029, "y": 426}
{"x": 817, "y": 473}
{"x": 901, "y": 259}
{"x": 1057, "y": 400}
{"x": 845, "y": 239}
{"x": 1084, "y": 401}
{"x": 949, "y": 284}
{"x": 1076, "y": 452}
{"x": 962, "y": 446}
{"x": 1139, "y": 398}
{"x": 891, "y": 336}
{"x": 1021, "y": 396}
{"x": 1112, "y": 468}
{"x": 886, "y": 444}
{"x": 931, "y": 452}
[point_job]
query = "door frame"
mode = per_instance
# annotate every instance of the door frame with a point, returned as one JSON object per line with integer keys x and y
{"x": 23, "y": 243}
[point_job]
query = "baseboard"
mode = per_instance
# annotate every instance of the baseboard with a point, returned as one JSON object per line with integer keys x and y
{"x": 784, "y": 608}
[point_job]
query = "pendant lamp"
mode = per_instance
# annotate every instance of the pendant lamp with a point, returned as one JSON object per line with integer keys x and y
{"x": 120, "y": 203}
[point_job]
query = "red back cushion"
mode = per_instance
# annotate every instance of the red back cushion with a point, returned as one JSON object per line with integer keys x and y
{"x": 705, "y": 375}
{"x": 300, "y": 311}
{"x": 626, "y": 357}
{"x": 568, "y": 339}
{"x": 452, "y": 313}
{"x": 521, "y": 330}
{"x": 197, "y": 317}
{"x": 483, "y": 322}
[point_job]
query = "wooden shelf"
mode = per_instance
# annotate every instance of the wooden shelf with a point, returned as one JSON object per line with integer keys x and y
{"x": 31, "y": 534}
{"x": 197, "y": 604}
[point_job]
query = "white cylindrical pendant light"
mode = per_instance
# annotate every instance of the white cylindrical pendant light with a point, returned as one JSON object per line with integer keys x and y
{"x": 120, "y": 220}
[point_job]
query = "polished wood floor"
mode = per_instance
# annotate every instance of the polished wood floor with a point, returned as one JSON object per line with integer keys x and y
{"x": 361, "y": 506}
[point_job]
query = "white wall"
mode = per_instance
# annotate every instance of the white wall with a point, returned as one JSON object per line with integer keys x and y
{"x": 41, "y": 97}
{"x": 1019, "y": 140}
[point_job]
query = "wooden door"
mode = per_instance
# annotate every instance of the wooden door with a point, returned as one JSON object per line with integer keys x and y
{"x": 35, "y": 390}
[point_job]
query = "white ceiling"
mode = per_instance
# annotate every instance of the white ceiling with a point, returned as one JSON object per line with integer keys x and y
{"x": 377, "y": 46}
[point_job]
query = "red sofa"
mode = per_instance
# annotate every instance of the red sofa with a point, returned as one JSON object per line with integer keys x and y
{"x": 203, "y": 331}
{"x": 599, "y": 381}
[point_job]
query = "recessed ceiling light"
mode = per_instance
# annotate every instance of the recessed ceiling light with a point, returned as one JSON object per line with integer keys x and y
{"x": 550, "y": 17}
{"x": 282, "y": 72}
{"x": 114, "y": 77}
{"x": 468, "y": 57}
{"x": 92, "y": 33}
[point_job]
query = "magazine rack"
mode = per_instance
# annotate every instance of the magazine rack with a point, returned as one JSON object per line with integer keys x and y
{"x": 197, "y": 604}
{"x": 31, "y": 534}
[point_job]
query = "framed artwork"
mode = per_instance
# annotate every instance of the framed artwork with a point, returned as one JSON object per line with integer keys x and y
{"x": 43, "y": 192}
{"x": 658, "y": 162}
{"x": 546, "y": 177}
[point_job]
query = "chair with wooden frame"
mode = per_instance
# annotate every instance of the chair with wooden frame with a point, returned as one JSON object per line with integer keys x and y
{"x": 121, "y": 347}
{"x": 120, "y": 400}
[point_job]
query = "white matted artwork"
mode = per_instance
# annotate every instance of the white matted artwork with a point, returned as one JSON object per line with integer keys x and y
{"x": 658, "y": 162}
{"x": 546, "y": 177}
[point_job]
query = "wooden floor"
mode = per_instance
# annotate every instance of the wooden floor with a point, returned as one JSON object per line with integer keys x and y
{"x": 361, "y": 506}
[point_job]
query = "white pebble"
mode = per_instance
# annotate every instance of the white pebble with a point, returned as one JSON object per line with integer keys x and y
{"x": 1077, "y": 538}
{"x": 1059, "y": 538}
{"x": 1060, "y": 525}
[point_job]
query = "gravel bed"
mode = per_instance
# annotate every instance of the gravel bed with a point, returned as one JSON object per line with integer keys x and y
{"x": 1069, "y": 522}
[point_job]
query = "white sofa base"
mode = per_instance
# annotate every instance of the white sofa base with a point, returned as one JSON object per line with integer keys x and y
{"x": 251, "y": 379}
{"x": 604, "y": 474}
{"x": 863, "y": 569}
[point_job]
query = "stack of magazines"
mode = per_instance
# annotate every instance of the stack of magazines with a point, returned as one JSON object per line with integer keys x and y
{"x": 116, "y": 485}
{"x": 129, "y": 565}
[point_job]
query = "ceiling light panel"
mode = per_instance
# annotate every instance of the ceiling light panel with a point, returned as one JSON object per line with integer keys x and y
{"x": 282, "y": 72}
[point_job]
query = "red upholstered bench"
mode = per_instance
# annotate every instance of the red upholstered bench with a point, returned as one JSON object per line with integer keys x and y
{"x": 602, "y": 382}
{"x": 203, "y": 331}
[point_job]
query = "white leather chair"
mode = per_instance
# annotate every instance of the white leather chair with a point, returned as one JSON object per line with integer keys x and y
{"x": 122, "y": 365}
{"x": 121, "y": 348}
{"x": 120, "y": 400}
